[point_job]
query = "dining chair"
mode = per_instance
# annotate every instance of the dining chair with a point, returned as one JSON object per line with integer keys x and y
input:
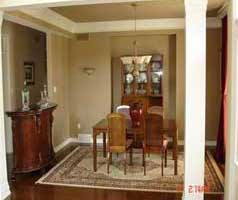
{"x": 117, "y": 141}
{"x": 154, "y": 139}
{"x": 125, "y": 110}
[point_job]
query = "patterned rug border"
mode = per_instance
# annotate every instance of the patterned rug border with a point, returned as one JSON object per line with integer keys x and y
{"x": 40, "y": 181}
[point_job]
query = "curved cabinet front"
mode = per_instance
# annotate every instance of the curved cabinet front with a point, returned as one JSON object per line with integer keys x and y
{"x": 32, "y": 139}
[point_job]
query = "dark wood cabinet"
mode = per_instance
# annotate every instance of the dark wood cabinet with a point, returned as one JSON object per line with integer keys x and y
{"x": 32, "y": 139}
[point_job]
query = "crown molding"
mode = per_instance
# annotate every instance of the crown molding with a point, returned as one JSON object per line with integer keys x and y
{"x": 222, "y": 12}
{"x": 16, "y": 4}
{"x": 142, "y": 25}
{"x": 51, "y": 17}
{"x": 36, "y": 26}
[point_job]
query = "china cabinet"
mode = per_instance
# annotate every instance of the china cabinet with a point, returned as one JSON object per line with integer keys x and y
{"x": 146, "y": 87}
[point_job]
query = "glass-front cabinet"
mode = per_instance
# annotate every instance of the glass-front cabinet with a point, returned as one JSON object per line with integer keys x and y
{"x": 147, "y": 80}
{"x": 143, "y": 79}
{"x": 156, "y": 74}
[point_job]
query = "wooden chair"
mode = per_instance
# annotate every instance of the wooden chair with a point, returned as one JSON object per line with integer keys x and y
{"x": 154, "y": 139}
{"x": 124, "y": 109}
{"x": 117, "y": 142}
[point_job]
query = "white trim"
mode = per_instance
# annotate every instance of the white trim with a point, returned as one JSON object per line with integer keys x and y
{"x": 128, "y": 25}
{"x": 23, "y": 22}
{"x": 4, "y": 191}
{"x": 231, "y": 169}
{"x": 85, "y": 138}
{"x": 142, "y": 25}
{"x": 65, "y": 143}
{"x": 51, "y": 17}
{"x": 55, "y": 19}
{"x": 195, "y": 98}
{"x": 14, "y": 4}
{"x": 4, "y": 187}
{"x": 209, "y": 143}
{"x": 222, "y": 12}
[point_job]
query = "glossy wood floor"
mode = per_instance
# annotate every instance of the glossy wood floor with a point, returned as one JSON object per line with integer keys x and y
{"x": 25, "y": 189}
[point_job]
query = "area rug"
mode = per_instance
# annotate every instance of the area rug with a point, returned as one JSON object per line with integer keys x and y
{"x": 76, "y": 170}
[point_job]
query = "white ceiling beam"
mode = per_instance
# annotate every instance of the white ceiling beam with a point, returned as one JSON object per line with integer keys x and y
{"x": 51, "y": 17}
{"x": 142, "y": 25}
{"x": 32, "y": 25}
{"x": 16, "y": 4}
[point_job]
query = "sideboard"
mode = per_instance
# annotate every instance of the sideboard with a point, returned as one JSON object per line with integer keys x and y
{"x": 32, "y": 139}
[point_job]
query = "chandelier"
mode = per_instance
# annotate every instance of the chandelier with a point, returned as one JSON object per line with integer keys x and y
{"x": 135, "y": 61}
{"x": 135, "y": 72}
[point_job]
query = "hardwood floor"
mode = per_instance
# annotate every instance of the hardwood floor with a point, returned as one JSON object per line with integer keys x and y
{"x": 25, "y": 189}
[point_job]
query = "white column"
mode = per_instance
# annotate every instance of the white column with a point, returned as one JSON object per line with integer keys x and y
{"x": 231, "y": 178}
{"x": 4, "y": 187}
{"x": 195, "y": 98}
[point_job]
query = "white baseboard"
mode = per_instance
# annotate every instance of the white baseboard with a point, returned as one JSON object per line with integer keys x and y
{"x": 65, "y": 143}
{"x": 210, "y": 143}
{"x": 87, "y": 139}
{"x": 4, "y": 191}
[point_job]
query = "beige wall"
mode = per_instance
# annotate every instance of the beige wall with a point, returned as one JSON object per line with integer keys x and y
{"x": 116, "y": 82}
{"x": 180, "y": 82}
{"x": 90, "y": 96}
{"x": 58, "y": 79}
{"x": 25, "y": 45}
{"x": 213, "y": 97}
{"x": 172, "y": 78}
{"x": 21, "y": 44}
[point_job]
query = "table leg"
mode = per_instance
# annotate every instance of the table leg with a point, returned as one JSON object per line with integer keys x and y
{"x": 104, "y": 145}
{"x": 175, "y": 154}
{"x": 174, "y": 148}
{"x": 95, "y": 151}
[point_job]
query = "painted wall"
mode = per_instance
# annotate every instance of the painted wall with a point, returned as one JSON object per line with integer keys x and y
{"x": 90, "y": 96}
{"x": 116, "y": 82}
{"x": 26, "y": 45}
{"x": 213, "y": 96}
{"x": 213, "y": 93}
{"x": 172, "y": 78}
{"x": 21, "y": 45}
{"x": 58, "y": 84}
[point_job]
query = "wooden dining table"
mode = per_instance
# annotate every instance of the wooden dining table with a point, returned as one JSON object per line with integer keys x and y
{"x": 101, "y": 127}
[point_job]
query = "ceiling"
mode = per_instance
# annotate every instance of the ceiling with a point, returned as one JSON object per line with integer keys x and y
{"x": 124, "y": 11}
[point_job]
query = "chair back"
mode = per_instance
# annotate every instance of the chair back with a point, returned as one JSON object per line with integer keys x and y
{"x": 153, "y": 130}
{"x": 125, "y": 110}
{"x": 116, "y": 130}
{"x": 136, "y": 113}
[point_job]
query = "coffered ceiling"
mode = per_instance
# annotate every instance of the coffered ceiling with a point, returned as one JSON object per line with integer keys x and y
{"x": 124, "y": 11}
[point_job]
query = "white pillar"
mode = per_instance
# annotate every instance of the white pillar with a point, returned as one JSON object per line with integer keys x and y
{"x": 4, "y": 187}
{"x": 231, "y": 178}
{"x": 195, "y": 98}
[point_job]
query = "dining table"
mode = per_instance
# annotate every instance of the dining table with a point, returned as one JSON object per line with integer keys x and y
{"x": 101, "y": 127}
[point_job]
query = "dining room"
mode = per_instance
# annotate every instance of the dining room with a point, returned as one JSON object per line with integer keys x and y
{"x": 121, "y": 122}
{"x": 154, "y": 103}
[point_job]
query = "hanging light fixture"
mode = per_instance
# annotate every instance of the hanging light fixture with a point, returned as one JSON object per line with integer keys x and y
{"x": 135, "y": 60}
{"x": 135, "y": 72}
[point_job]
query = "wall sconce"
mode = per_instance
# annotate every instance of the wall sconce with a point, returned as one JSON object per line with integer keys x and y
{"x": 89, "y": 70}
